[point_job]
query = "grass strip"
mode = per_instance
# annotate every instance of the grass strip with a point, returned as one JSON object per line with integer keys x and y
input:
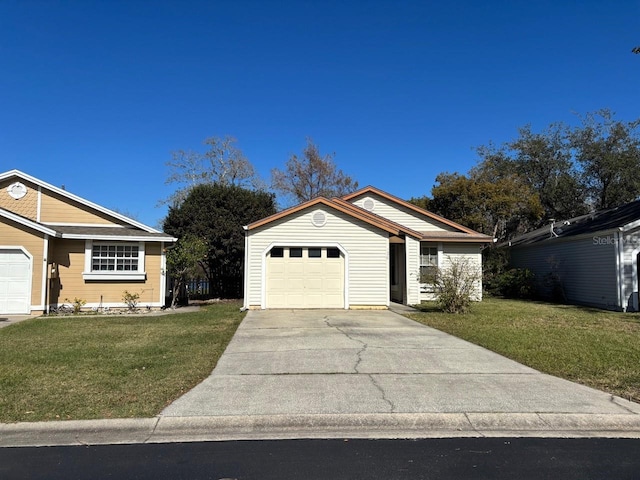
{"x": 593, "y": 347}
{"x": 89, "y": 367}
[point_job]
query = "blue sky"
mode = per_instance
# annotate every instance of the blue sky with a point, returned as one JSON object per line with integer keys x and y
{"x": 95, "y": 95}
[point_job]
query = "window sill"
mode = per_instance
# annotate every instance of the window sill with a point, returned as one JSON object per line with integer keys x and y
{"x": 126, "y": 276}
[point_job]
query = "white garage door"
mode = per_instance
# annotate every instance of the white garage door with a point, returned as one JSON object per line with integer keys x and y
{"x": 304, "y": 277}
{"x": 15, "y": 282}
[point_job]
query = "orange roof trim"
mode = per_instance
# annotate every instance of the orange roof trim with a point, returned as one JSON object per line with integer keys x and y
{"x": 399, "y": 201}
{"x": 339, "y": 206}
{"x": 343, "y": 205}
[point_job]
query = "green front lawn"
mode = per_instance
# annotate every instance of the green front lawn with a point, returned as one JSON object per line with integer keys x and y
{"x": 88, "y": 367}
{"x": 593, "y": 347}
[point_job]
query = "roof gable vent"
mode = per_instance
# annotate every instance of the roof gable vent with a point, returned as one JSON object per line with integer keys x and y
{"x": 319, "y": 218}
{"x": 368, "y": 204}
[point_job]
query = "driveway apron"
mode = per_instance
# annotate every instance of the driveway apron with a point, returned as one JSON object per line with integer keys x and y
{"x": 284, "y": 362}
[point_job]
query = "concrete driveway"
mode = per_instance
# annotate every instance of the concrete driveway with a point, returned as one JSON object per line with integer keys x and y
{"x": 6, "y": 320}
{"x": 374, "y": 362}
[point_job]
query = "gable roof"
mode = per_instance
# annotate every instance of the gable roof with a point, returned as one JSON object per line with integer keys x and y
{"x": 464, "y": 234}
{"x": 410, "y": 206}
{"x": 345, "y": 206}
{"x": 75, "y": 198}
{"x": 88, "y": 233}
{"x": 356, "y": 212}
{"x": 622, "y": 218}
{"x": 26, "y": 222}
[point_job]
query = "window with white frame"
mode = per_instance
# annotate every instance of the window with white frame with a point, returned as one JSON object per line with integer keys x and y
{"x": 114, "y": 260}
{"x": 118, "y": 258}
{"x": 428, "y": 263}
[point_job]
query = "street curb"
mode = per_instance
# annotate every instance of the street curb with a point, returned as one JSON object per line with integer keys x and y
{"x": 273, "y": 427}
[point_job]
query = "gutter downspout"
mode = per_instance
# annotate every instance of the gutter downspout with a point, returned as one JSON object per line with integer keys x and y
{"x": 619, "y": 251}
{"x": 45, "y": 276}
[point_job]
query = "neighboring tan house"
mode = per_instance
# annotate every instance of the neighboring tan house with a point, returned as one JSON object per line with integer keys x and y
{"x": 363, "y": 250}
{"x": 589, "y": 260}
{"x": 56, "y": 247}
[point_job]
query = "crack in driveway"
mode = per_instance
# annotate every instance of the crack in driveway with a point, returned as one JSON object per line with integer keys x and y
{"x": 359, "y": 354}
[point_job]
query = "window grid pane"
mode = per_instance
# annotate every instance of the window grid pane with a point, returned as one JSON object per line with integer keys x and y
{"x": 333, "y": 253}
{"x": 115, "y": 258}
{"x": 428, "y": 264}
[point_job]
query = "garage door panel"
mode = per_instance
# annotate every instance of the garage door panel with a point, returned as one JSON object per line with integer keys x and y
{"x": 15, "y": 281}
{"x": 332, "y": 286}
{"x": 314, "y": 268}
{"x": 16, "y": 288}
{"x": 334, "y": 268}
{"x": 295, "y": 267}
{"x": 277, "y": 267}
{"x": 294, "y": 300}
{"x": 316, "y": 282}
{"x": 334, "y": 299}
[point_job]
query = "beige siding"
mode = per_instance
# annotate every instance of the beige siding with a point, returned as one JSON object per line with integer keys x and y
{"x": 15, "y": 235}
{"x": 402, "y": 215}
{"x": 57, "y": 209}
{"x": 26, "y": 206}
{"x": 367, "y": 251}
{"x": 70, "y": 258}
{"x": 412, "y": 247}
{"x": 586, "y": 268}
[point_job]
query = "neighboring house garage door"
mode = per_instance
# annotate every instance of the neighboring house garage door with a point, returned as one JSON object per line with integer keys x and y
{"x": 304, "y": 277}
{"x": 15, "y": 282}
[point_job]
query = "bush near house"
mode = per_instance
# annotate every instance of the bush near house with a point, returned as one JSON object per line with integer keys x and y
{"x": 456, "y": 285}
{"x": 514, "y": 283}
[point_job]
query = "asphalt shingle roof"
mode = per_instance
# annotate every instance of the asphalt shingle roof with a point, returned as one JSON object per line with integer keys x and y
{"x": 599, "y": 221}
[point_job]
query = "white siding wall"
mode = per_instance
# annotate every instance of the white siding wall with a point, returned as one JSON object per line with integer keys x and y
{"x": 367, "y": 248}
{"x": 586, "y": 268}
{"x": 412, "y": 248}
{"x": 402, "y": 215}
{"x": 469, "y": 253}
{"x": 631, "y": 249}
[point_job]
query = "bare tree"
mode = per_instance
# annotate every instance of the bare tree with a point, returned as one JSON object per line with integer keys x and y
{"x": 223, "y": 162}
{"x": 311, "y": 175}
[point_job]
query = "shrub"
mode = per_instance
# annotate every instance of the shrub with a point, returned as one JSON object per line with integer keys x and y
{"x": 456, "y": 285}
{"x": 77, "y": 304}
{"x": 131, "y": 299}
{"x": 515, "y": 283}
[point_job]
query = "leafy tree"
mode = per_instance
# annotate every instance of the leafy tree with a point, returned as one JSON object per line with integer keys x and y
{"x": 501, "y": 208}
{"x": 216, "y": 213}
{"x": 543, "y": 161}
{"x": 183, "y": 261}
{"x": 573, "y": 170}
{"x": 422, "y": 202}
{"x": 223, "y": 162}
{"x": 311, "y": 175}
{"x": 608, "y": 152}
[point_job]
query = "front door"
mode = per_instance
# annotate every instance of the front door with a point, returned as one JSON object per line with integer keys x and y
{"x": 397, "y": 272}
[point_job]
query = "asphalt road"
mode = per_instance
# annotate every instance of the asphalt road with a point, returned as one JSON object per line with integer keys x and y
{"x": 473, "y": 458}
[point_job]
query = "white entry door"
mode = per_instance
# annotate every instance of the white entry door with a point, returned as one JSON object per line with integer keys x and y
{"x": 15, "y": 282}
{"x": 304, "y": 277}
